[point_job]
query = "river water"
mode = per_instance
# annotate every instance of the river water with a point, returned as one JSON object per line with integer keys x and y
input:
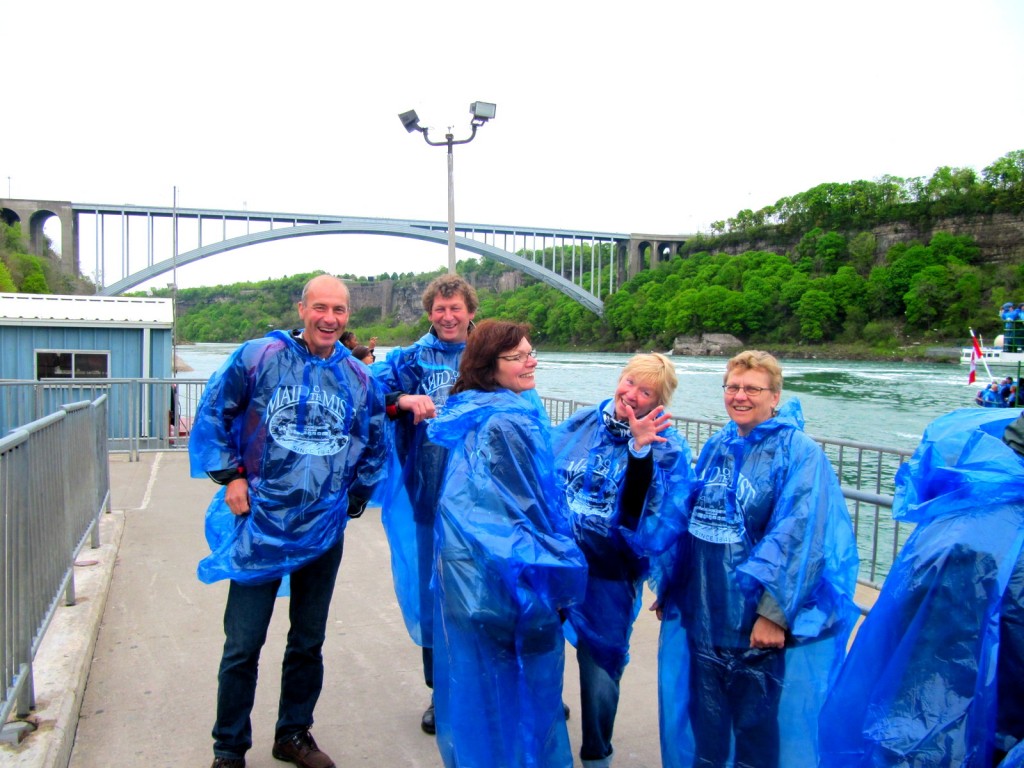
{"x": 886, "y": 404}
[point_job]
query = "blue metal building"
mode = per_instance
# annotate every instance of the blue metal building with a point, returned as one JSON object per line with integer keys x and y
{"x": 64, "y": 344}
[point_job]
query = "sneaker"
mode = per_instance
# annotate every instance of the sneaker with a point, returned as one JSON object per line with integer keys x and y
{"x": 299, "y": 748}
{"x": 228, "y": 762}
{"x": 427, "y": 723}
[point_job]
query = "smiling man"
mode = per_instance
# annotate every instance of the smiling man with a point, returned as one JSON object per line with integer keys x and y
{"x": 293, "y": 428}
{"x": 417, "y": 380}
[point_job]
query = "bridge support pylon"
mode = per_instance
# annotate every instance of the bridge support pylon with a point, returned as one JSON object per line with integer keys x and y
{"x": 33, "y": 215}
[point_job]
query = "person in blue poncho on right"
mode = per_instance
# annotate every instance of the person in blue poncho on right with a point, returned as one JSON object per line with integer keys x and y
{"x": 506, "y": 565}
{"x": 935, "y": 676}
{"x": 626, "y": 474}
{"x": 757, "y": 600}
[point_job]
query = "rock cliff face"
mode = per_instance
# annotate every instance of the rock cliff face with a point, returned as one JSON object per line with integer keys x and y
{"x": 1000, "y": 236}
{"x": 405, "y": 299}
{"x": 706, "y": 345}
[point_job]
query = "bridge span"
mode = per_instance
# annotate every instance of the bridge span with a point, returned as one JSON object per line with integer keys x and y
{"x": 131, "y": 244}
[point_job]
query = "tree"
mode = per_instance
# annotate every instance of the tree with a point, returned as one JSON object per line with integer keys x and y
{"x": 847, "y": 289}
{"x": 816, "y": 312}
{"x": 905, "y": 262}
{"x": 861, "y": 251}
{"x": 930, "y": 292}
{"x": 6, "y": 281}
{"x": 35, "y": 282}
{"x": 820, "y": 252}
{"x": 962, "y": 248}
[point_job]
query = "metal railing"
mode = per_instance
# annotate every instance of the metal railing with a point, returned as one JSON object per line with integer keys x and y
{"x": 54, "y": 484}
{"x": 144, "y": 414}
{"x": 157, "y": 414}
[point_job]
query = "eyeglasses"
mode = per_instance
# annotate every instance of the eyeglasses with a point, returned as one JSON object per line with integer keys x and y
{"x": 520, "y": 358}
{"x": 734, "y": 389}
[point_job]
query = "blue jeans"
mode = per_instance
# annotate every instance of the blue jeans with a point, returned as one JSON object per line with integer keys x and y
{"x": 599, "y": 701}
{"x": 246, "y": 618}
{"x": 735, "y": 703}
{"x": 428, "y": 666}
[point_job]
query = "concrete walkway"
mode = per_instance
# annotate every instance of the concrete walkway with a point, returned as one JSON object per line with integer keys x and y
{"x": 134, "y": 663}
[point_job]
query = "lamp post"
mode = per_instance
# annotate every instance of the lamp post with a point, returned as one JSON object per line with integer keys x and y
{"x": 482, "y": 111}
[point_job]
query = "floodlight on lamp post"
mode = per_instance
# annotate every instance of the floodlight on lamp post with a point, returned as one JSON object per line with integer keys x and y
{"x": 482, "y": 111}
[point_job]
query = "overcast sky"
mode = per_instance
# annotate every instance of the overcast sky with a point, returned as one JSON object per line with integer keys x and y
{"x": 655, "y": 117}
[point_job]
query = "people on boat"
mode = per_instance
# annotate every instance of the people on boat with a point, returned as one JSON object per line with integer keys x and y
{"x": 1004, "y": 389}
{"x": 934, "y": 674}
{"x": 989, "y": 396}
{"x": 506, "y": 565}
{"x": 1008, "y": 312}
{"x": 756, "y": 600}
{"x": 625, "y": 473}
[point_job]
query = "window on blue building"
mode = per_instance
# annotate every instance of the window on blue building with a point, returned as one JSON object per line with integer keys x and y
{"x": 68, "y": 364}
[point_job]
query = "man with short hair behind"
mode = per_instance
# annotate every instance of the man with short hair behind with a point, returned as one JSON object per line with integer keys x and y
{"x": 293, "y": 428}
{"x": 417, "y": 380}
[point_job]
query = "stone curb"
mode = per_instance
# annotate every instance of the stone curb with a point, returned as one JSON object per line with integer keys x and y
{"x": 62, "y": 664}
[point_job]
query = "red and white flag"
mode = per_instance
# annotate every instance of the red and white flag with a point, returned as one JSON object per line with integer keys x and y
{"x": 976, "y": 355}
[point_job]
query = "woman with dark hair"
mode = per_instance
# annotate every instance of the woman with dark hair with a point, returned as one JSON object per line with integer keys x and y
{"x": 363, "y": 353}
{"x": 506, "y": 565}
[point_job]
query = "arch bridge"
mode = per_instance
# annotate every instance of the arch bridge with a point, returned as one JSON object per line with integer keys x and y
{"x": 131, "y": 244}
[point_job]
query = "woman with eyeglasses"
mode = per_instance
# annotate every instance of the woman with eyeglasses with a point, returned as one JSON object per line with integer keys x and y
{"x": 756, "y": 600}
{"x": 505, "y": 568}
{"x": 625, "y": 473}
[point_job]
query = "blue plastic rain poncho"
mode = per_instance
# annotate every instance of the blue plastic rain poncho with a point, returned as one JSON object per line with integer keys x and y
{"x": 769, "y": 532}
{"x": 590, "y": 460}
{"x": 308, "y": 432}
{"x": 990, "y": 398}
{"x": 506, "y": 565}
{"x": 408, "y": 497}
{"x": 935, "y": 676}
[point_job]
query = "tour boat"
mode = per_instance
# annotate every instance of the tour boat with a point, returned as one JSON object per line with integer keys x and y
{"x": 1001, "y": 353}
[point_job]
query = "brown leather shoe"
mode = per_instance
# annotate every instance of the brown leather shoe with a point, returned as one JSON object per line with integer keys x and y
{"x": 228, "y": 762}
{"x": 299, "y": 748}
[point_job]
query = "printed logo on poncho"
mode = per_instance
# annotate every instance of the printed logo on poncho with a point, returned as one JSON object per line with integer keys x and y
{"x": 591, "y": 493}
{"x": 712, "y": 519}
{"x": 310, "y": 422}
{"x": 437, "y": 384}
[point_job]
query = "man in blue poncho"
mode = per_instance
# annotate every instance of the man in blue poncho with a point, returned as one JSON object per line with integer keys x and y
{"x": 989, "y": 397}
{"x": 293, "y": 427}
{"x": 934, "y": 677}
{"x": 417, "y": 380}
{"x": 757, "y": 599}
{"x": 506, "y": 566}
{"x": 625, "y": 474}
